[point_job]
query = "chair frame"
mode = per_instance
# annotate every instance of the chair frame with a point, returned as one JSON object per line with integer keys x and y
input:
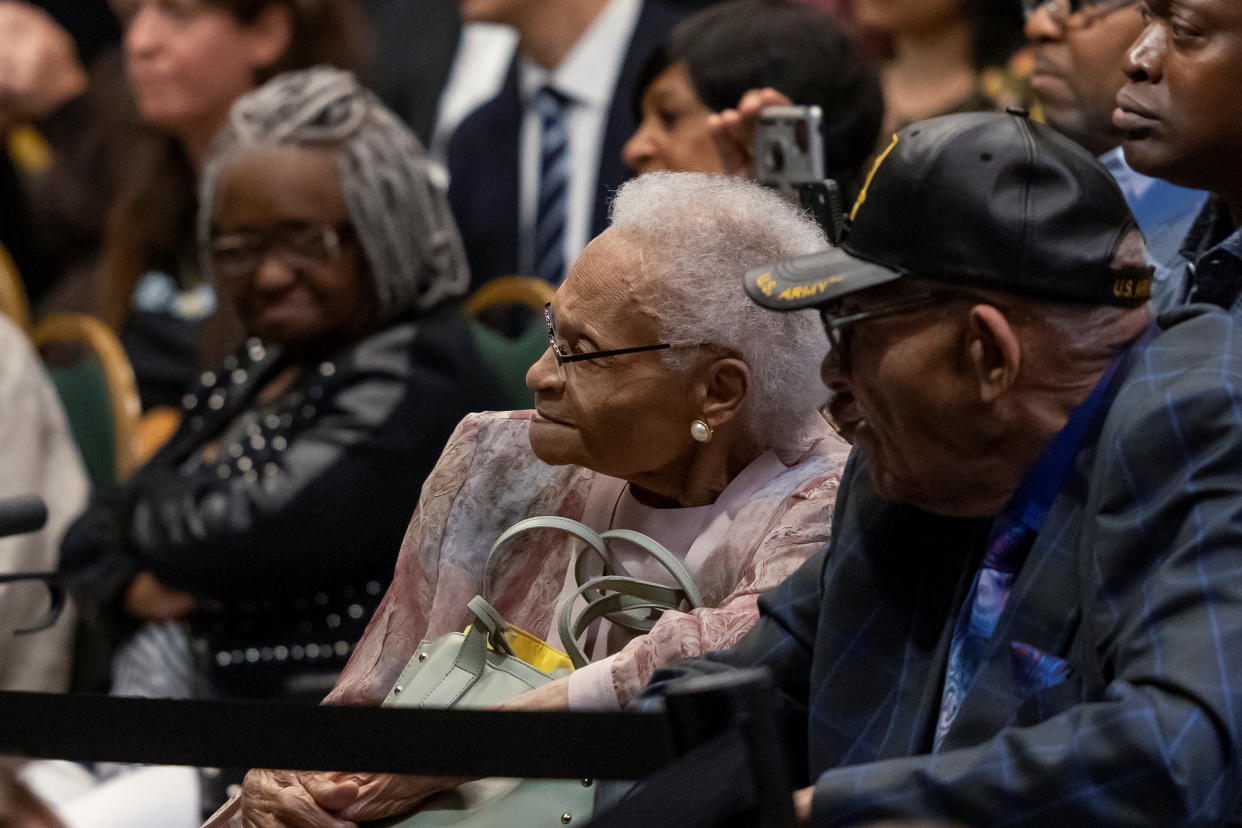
{"x": 510, "y": 290}
{"x": 13, "y": 300}
{"x": 126, "y": 407}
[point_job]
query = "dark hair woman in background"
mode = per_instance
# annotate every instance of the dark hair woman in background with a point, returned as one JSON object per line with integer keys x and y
{"x": 714, "y": 57}
{"x": 186, "y": 62}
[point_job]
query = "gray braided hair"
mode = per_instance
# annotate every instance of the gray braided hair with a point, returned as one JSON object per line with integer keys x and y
{"x": 397, "y": 207}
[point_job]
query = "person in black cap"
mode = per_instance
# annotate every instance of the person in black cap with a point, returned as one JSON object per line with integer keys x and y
{"x": 1030, "y": 612}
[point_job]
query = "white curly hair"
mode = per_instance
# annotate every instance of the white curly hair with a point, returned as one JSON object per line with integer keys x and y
{"x": 700, "y": 233}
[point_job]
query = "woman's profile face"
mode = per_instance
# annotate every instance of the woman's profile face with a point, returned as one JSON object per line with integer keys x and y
{"x": 673, "y": 132}
{"x": 284, "y": 252}
{"x": 626, "y": 416}
{"x": 188, "y": 60}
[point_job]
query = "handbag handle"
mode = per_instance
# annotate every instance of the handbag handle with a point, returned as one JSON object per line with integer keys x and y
{"x": 667, "y": 559}
{"x": 625, "y": 596}
{"x": 576, "y": 528}
{"x": 468, "y": 666}
{"x": 638, "y": 623}
{"x": 492, "y": 623}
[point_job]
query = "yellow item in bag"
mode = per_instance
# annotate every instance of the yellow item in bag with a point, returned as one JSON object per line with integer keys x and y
{"x": 535, "y": 651}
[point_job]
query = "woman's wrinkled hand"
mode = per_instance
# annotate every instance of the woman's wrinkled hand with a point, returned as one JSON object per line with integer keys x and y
{"x": 733, "y": 130}
{"x": 290, "y": 799}
{"x": 377, "y": 795}
{"x": 277, "y": 799}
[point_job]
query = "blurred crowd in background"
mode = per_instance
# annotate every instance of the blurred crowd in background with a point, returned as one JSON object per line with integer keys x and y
{"x": 230, "y": 460}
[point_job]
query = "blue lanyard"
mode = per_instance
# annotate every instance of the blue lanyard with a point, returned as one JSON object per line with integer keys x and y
{"x": 1033, "y": 498}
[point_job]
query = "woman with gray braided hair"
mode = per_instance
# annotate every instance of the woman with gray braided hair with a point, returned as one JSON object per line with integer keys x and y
{"x": 270, "y": 521}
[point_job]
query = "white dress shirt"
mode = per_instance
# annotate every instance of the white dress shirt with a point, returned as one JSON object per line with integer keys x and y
{"x": 477, "y": 75}
{"x": 588, "y": 77}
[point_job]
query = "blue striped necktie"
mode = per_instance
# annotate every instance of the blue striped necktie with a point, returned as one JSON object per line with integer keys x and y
{"x": 549, "y": 245}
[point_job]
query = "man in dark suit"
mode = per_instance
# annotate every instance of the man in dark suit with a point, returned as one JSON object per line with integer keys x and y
{"x": 1031, "y": 609}
{"x": 590, "y": 52}
{"x": 415, "y": 44}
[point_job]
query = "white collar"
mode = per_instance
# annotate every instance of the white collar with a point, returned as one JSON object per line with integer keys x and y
{"x": 587, "y": 75}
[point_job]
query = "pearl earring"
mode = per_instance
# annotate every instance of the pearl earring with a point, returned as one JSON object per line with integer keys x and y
{"x": 701, "y": 431}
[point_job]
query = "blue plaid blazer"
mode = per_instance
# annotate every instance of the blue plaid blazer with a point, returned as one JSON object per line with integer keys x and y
{"x": 1112, "y": 690}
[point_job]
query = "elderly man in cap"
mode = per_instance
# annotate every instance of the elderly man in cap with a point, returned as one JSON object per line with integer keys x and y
{"x": 1031, "y": 609}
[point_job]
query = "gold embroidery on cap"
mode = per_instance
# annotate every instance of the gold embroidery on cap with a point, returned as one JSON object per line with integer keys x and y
{"x": 807, "y": 291}
{"x": 766, "y": 283}
{"x": 862, "y": 195}
{"x": 1132, "y": 288}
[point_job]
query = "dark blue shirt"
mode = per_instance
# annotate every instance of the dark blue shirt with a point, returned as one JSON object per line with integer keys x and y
{"x": 1214, "y": 250}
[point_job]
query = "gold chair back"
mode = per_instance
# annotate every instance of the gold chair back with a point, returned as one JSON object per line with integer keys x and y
{"x": 509, "y": 290}
{"x": 509, "y": 356}
{"x": 118, "y": 374}
{"x": 13, "y": 302}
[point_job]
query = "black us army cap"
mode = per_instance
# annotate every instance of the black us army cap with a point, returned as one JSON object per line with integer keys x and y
{"x": 984, "y": 200}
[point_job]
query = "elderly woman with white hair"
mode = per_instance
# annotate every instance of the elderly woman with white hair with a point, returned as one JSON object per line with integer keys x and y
{"x": 666, "y": 403}
{"x": 270, "y": 520}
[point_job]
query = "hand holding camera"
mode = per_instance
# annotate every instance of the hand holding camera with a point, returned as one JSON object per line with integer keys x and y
{"x": 734, "y": 130}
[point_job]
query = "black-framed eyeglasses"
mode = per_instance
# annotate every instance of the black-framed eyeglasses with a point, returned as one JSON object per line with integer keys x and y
{"x": 838, "y": 320}
{"x": 294, "y": 243}
{"x": 1075, "y": 12}
{"x": 563, "y": 355}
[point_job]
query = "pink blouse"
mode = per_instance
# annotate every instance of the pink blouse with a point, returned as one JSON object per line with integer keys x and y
{"x": 769, "y": 519}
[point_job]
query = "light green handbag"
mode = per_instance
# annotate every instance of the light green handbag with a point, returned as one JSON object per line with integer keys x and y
{"x": 478, "y": 668}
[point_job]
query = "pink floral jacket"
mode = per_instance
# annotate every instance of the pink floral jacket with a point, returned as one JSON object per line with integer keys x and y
{"x": 488, "y": 479}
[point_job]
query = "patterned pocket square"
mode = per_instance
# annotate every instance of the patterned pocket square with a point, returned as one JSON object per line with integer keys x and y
{"x": 1035, "y": 670}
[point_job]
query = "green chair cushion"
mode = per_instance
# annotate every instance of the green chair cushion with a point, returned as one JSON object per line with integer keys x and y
{"x": 510, "y": 357}
{"x": 84, "y": 393}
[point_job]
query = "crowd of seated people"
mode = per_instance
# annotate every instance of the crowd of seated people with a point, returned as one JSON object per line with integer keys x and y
{"x": 964, "y": 482}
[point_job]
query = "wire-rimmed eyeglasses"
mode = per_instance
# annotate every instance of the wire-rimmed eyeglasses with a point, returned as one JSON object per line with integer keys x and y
{"x": 565, "y": 356}
{"x": 838, "y": 319}
{"x": 1075, "y": 12}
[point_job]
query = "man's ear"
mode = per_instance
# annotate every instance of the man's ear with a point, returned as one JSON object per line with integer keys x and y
{"x": 993, "y": 352}
{"x": 269, "y": 36}
{"x": 724, "y": 386}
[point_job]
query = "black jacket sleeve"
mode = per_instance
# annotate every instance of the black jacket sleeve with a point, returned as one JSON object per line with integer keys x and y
{"x": 314, "y": 494}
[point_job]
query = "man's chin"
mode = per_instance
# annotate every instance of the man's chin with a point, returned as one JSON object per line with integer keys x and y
{"x": 930, "y": 496}
{"x": 890, "y": 488}
{"x": 1146, "y": 153}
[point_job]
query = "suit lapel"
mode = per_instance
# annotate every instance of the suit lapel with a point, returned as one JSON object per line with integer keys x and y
{"x": 483, "y": 185}
{"x": 1035, "y": 632}
{"x": 892, "y": 582}
{"x": 654, "y": 22}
